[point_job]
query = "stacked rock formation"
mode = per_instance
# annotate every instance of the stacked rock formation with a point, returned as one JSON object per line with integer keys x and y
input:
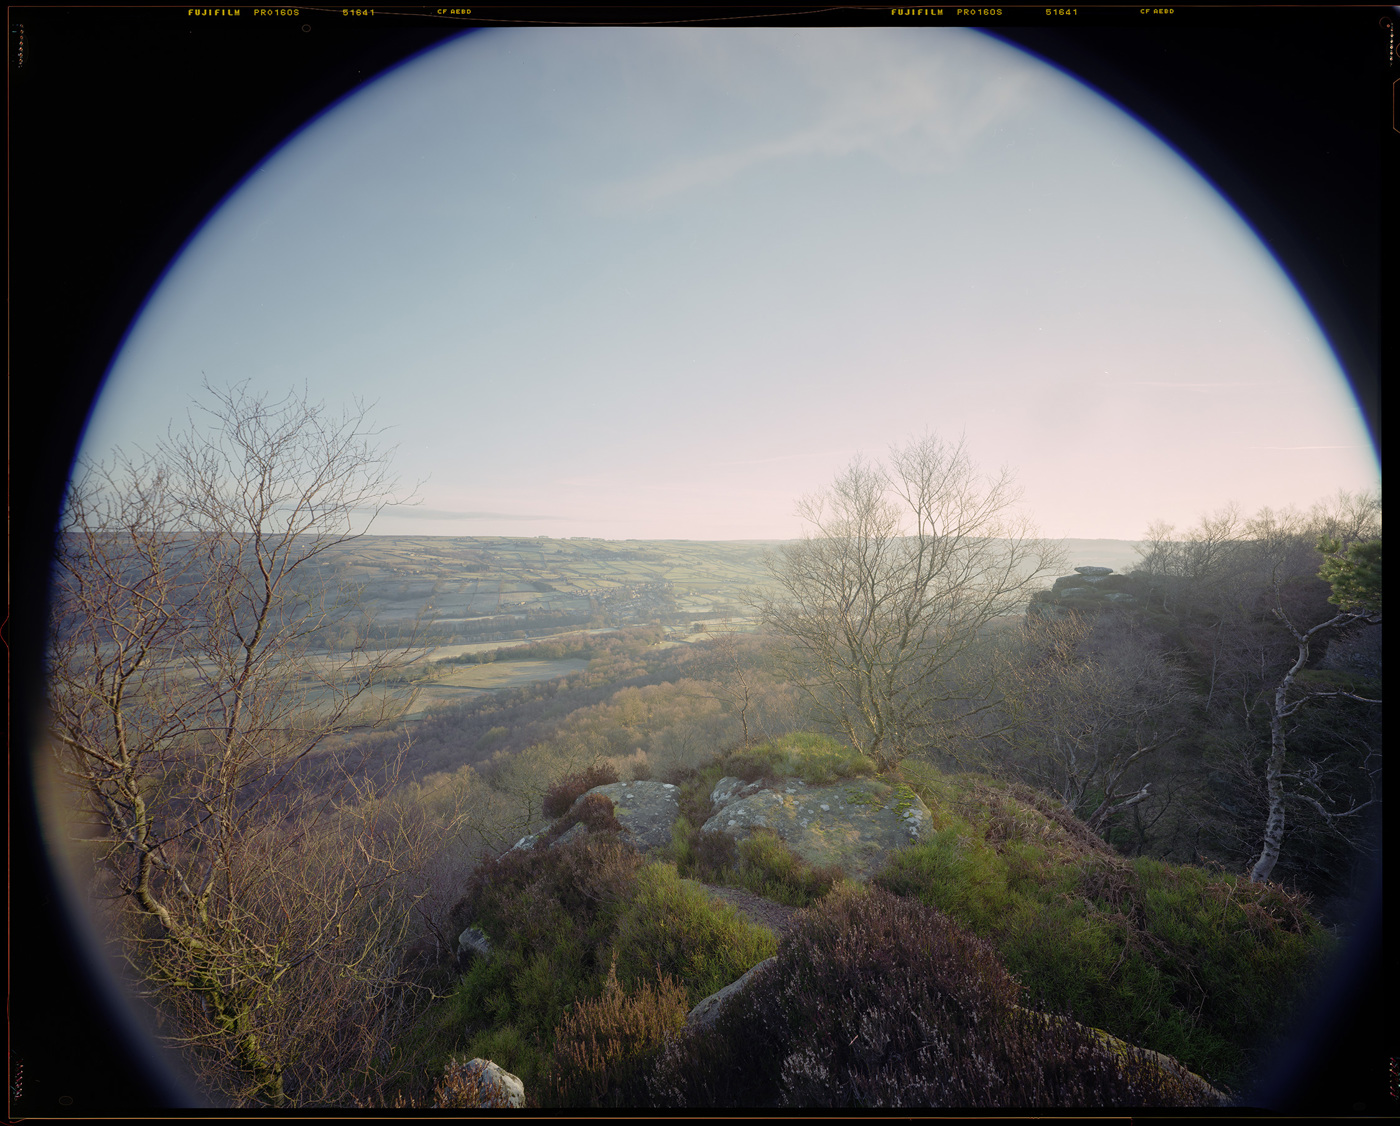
{"x": 1088, "y": 589}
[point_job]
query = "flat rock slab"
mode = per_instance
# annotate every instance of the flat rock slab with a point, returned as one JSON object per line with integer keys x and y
{"x": 647, "y": 810}
{"x": 853, "y": 824}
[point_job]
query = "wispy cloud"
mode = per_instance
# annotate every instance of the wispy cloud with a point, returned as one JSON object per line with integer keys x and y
{"x": 914, "y": 111}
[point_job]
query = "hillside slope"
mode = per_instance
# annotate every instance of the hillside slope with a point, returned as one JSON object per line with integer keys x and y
{"x": 599, "y": 951}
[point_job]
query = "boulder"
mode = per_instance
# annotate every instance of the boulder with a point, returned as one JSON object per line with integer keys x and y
{"x": 646, "y": 810}
{"x": 578, "y": 830}
{"x": 472, "y": 944}
{"x": 728, "y": 788}
{"x": 528, "y": 842}
{"x": 481, "y": 1083}
{"x": 853, "y": 824}
{"x": 1079, "y": 596}
{"x": 1095, "y": 572}
{"x": 708, "y": 1010}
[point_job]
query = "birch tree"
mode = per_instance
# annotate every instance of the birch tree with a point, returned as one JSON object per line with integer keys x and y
{"x": 1354, "y": 573}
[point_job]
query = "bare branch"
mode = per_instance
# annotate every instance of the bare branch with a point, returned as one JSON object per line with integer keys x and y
{"x": 186, "y": 703}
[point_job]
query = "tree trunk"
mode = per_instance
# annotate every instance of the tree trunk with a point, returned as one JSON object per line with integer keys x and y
{"x": 1273, "y": 828}
{"x": 1278, "y": 744}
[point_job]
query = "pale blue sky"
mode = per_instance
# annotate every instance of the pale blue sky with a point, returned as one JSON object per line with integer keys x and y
{"x": 658, "y": 283}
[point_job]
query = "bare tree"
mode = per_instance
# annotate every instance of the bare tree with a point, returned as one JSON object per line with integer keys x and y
{"x": 188, "y": 710}
{"x": 1203, "y": 565}
{"x": 1088, "y": 704}
{"x": 1288, "y": 546}
{"x": 734, "y": 673}
{"x": 738, "y": 665}
{"x": 903, "y": 571}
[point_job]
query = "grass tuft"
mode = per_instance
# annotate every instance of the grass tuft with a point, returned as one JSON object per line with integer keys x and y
{"x": 604, "y": 1046}
{"x": 816, "y": 759}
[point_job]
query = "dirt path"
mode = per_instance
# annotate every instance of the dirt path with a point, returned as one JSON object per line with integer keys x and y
{"x": 777, "y": 917}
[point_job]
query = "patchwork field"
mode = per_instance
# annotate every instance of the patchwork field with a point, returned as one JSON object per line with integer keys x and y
{"x": 446, "y": 597}
{"x": 484, "y": 590}
{"x": 459, "y": 590}
{"x": 454, "y": 596}
{"x": 464, "y": 682}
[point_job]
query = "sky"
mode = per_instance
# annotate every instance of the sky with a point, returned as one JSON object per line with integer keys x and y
{"x": 660, "y": 283}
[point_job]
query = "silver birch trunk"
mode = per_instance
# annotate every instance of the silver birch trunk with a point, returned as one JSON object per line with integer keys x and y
{"x": 1273, "y": 827}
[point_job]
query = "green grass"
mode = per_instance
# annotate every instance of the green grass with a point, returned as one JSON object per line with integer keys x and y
{"x": 1198, "y": 964}
{"x": 673, "y": 927}
{"x": 816, "y": 759}
{"x": 562, "y": 921}
{"x": 768, "y": 867}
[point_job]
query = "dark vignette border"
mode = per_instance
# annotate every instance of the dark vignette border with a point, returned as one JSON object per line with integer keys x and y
{"x": 127, "y": 126}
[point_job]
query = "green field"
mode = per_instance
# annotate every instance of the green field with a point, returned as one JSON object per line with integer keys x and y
{"x": 466, "y": 681}
{"x": 443, "y": 597}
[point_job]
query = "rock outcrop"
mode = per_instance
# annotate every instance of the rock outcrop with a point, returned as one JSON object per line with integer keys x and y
{"x": 471, "y": 945}
{"x": 646, "y": 811}
{"x": 1175, "y": 1068}
{"x": 853, "y": 824}
{"x": 1088, "y": 589}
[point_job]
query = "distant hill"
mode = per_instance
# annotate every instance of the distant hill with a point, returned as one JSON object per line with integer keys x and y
{"x": 1121, "y": 555}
